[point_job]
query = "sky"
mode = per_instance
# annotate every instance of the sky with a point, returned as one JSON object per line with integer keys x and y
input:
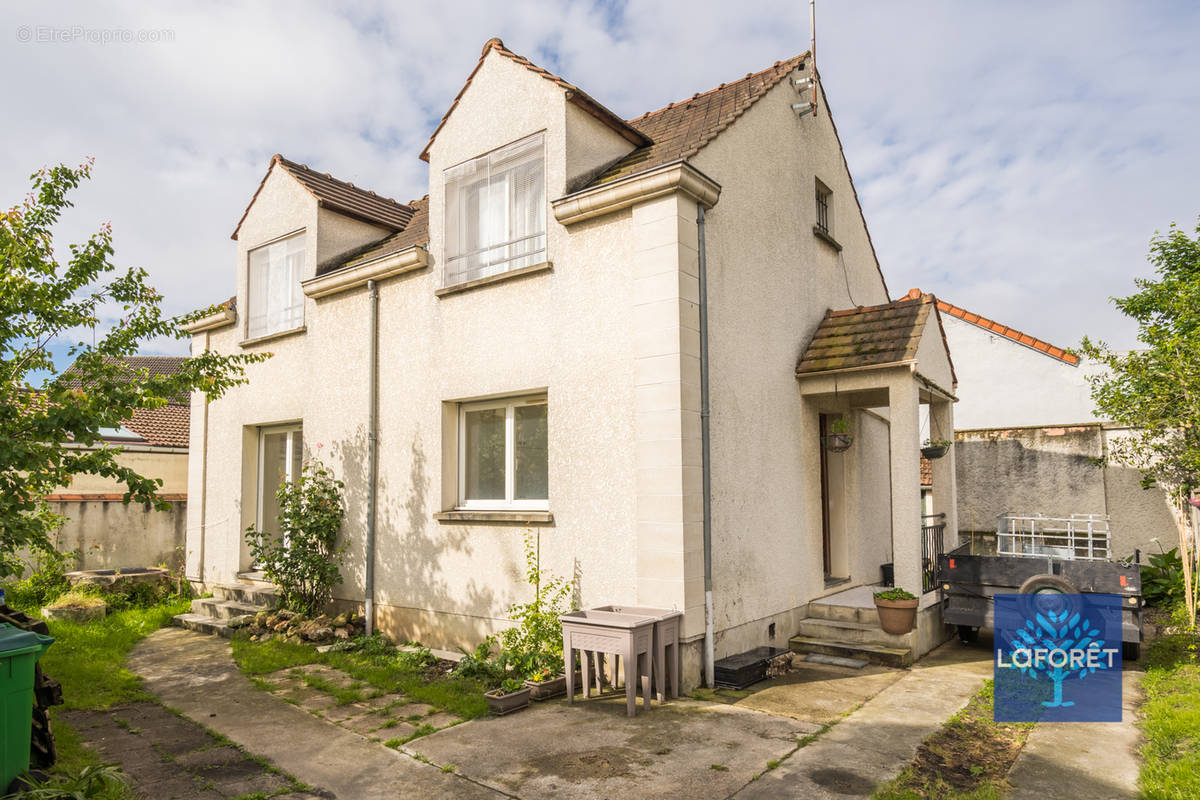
{"x": 1014, "y": 158}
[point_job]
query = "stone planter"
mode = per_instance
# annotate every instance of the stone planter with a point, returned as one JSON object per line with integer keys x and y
{"x": 897, "y": 616}
{"x": 75, "y": 613}
{"x": 501, "y": 704}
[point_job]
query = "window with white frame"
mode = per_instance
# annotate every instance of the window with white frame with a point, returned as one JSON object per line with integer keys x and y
{"x": 275, "y": 301}
{"x": 496, "y": 212}
{"x": 502, "y": 454}
{"x": 280, "y": 459}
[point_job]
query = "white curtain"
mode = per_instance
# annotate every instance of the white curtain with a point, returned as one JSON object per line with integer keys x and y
{"x": 275, "y": 299}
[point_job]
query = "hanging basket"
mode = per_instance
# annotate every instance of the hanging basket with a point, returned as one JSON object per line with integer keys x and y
{"x": 935, "y": 451}
{"x": 837, "y": 442}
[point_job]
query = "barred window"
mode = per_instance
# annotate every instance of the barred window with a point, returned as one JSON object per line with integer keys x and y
{"x": 496, "y": 212}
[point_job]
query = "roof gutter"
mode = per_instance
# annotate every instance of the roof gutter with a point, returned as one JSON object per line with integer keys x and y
{"x": 226, "y": 316}
{"x": 608, "y": 198}
{"x": 363, "y": 274}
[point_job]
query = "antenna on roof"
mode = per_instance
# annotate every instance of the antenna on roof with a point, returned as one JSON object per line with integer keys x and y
{"x": 809, "y": 83}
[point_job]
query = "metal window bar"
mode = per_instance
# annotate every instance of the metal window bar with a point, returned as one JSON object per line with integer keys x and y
{"x": 823, "y": 209}
{"x": 1078, "y": 537}
{"x": 933, "y": 530}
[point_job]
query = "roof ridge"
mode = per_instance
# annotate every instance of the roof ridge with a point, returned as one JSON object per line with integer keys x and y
{"x": 1008, "y": 332}
{"x": 800, "y": 58}
{"x": 287, "y": 162}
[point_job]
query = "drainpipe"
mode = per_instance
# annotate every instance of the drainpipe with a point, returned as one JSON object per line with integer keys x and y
{"x": 204, "y": 478}
{"x": 372, "y": 452}
{"x": 705, "y": 470}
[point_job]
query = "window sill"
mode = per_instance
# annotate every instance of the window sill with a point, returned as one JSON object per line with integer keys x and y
{"x": 526, "y": 517}
{"x": 826, "y": 238}
{"x": 268, "y": 337}
{"x": 545, "y": 266}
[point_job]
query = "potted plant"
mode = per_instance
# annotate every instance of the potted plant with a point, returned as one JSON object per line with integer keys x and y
{"x": 897, "y": 610}
{"x": 512, "y": 695}
{"x": 935, "y": 448}
{"x": 546, "y": 684}
{"x": 839, "y": 438}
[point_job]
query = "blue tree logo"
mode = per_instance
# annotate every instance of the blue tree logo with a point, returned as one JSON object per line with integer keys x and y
{"x": 1057, "y": 647}
{"x": 1048, "y": 641}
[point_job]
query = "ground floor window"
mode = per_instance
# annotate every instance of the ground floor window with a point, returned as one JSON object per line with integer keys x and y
{"x": 502, "y": 458}
{"x": 280, "y": 457}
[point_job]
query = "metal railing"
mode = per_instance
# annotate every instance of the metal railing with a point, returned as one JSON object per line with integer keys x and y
{"x": 933, "y": 531}
{"x": 1079, "y": 537}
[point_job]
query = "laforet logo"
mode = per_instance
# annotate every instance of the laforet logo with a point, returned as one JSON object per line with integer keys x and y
{"x": 1058, "y": 658}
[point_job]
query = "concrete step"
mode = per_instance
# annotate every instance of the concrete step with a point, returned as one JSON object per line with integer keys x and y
{"x": 832, "y": 611}
{"x": 260, "y": 595}
{"x": 204, "y": 624}
{"x": 864, "y": 632}
{"x": 875, "y": 653}
{"x": 222, "y": 609}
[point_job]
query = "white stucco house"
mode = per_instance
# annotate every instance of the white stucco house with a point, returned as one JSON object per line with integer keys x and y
{"x": 628, "y": 335}
{"x": 1029, "y": 439}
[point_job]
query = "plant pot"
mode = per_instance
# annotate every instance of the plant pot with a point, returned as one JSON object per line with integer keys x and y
{"x": 897, "y": 616}
{"x": 547, "y": 689}
{"x": 501, "y": 704}
{"x": 837, "y": 442}
{"x": 935, "y": 451}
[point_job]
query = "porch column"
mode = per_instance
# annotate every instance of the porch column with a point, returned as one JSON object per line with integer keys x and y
{"x": 945, "y": 485}
{"x": 905, "y": 441}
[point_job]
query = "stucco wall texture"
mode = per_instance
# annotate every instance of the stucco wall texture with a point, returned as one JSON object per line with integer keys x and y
{"x": 113, "y": 535}
{"x": 609, "y": 336}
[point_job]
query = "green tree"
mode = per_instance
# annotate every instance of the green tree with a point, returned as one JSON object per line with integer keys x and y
{"x": 45, "y": 429}
{"x": 1155, "y": 390}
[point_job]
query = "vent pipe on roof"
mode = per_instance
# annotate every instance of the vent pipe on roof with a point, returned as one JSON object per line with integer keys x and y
{"x": 809, "y": 83}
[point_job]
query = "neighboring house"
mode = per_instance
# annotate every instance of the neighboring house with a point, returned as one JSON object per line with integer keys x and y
{"x": 110, "y": 534}
{"x": 1028, "y": 439}
{"x": 538, "y": 361}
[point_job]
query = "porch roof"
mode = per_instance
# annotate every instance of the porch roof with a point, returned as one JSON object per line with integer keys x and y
{"x": 870, "y": 336}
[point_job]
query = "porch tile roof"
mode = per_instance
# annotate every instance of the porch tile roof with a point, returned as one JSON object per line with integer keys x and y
{"x": 867, "y": 336}
{"x": 1009, "y": 333}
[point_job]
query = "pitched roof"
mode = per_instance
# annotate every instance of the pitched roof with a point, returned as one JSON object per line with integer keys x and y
{"x": 155, "y": 365}
{"x": 867, "y": 336}
{"x": 926, "y": 472}
{"x": 416, "y": 232}
{"x": 681, "y": 129}
{"x": 337, "y": 195}
{"x": 1009, "y": 333}
{"x": 574, "y": 95}
{"x": 165, "y": 426}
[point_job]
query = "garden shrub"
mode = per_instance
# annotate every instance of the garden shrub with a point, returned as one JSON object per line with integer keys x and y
{"x": 535, "y": 643}
{"x": 1162, "y": 579}
{"x": 46, "y": 581}
{"x": 302, "y": 558}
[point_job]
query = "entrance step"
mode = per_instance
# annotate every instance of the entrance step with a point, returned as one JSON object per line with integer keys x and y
{"x": 874, "y": 653}
{"x": 843, "y": 613}
{"x": 864, "y": 632}
{"x": 201, "y": 623}
{"x": 260, "y": 595}
{"x": 223, "y": 609}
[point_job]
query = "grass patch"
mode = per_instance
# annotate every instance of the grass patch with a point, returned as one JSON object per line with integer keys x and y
{"x": 968, "y": 759}
{"x": 1171, "y": 720}
{"x": 344, "y": 695}
{"x": 386, "y": 671}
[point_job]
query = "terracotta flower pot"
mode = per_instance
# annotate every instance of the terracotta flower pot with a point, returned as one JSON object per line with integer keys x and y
{"x": 501, "y": 704}
{"x": 897, "y": 616}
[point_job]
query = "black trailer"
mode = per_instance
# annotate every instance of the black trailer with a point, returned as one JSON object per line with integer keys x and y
{"x": 1033, "y": 554}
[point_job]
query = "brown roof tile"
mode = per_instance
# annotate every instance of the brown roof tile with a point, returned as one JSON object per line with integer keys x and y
{"x": 1009, "y": 333}
{"x": 574, "y": 95}
{"x": 416, "y": 232}
{"x": 926, "y": 472}
{"x": 165, "y": 426}
{"x": 681, "y": 129}
{"x": 337, "y": 195}
{"x": 867, "y": 336}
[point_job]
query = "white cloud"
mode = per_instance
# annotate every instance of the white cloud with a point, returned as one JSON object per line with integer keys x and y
{"x": 1014, "y": 158}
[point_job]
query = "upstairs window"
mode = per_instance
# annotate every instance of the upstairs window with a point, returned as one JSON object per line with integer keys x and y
{"x": 824, "y": 220}
{"x": 496, "y": 212}
{"x": 275, "y": 300}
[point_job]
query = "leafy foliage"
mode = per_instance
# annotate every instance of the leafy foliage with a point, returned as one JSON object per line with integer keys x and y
{"x": 895, "y": 594}
{"x": 46, "y": 581}
{"x": 1162, "y": 580}
{"x": 482, "y": 665}
{"x": 43, "y": 301}
{"x": 511, "y": 685}
{"x": 93, "y": 781}
{"x": 1155, "y": 390}
{"x": 535, "y": 643}
{"x": 302, "y": 557}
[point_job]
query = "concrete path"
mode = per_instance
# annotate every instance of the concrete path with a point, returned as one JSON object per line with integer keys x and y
{"x": 1096, "y": 760}
{"x": 876, "y": 742}
{"x": 195, "y": 675}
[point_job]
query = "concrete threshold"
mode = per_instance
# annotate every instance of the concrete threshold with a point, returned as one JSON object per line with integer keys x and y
{"x": 196, "y": 676}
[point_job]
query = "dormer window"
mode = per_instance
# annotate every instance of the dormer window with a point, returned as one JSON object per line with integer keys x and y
{"x": 496, "y": 212}
{"x": 275, "y": 301}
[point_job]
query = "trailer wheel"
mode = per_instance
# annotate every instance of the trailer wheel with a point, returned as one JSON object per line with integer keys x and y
{"x": 1047, "y": 584}
{"x": 968, "y": 634}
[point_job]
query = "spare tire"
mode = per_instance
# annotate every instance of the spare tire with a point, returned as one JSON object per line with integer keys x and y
{"x": 1039, "y": 584}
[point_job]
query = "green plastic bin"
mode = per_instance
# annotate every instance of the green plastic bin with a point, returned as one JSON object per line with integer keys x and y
{"x": 19, "y": 652}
